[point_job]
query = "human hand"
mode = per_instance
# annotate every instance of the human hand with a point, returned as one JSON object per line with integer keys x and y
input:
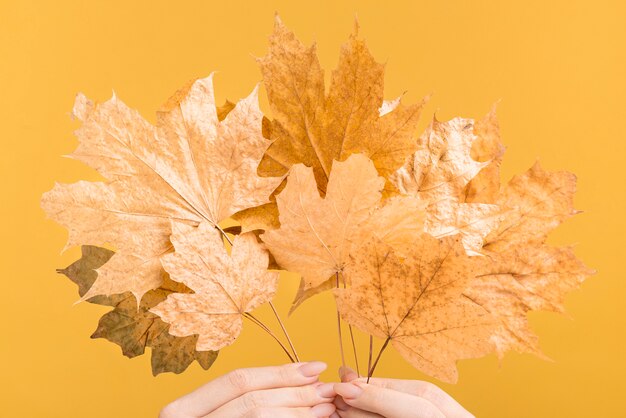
{"x": 289, "y": 391}
{"x": 392, "y": 398}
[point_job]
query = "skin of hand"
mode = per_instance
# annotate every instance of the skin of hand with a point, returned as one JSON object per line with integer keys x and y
{"x": 392, "y": 398}
{"x": 287, "y": 391}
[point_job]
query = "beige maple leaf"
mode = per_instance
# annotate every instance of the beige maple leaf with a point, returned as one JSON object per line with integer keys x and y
{"x": 417, "y": 304}
{"x": 316, "y": 233}
{"x": 442, "y": 165}
{"x": 133, "y": 327}
{"x": 190, "y": 167}
{"x": 523, "y": 272}
{"x": 487, "y": 147}
{"x": 225, "y": 286}
{"x": 440, "y": 172}
{"x": 313, "y": 128}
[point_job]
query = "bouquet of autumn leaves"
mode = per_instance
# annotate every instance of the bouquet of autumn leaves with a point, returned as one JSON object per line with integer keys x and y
{"x": 421, "y": 245}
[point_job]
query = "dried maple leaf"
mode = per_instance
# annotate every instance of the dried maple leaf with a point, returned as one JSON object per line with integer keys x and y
{"x": 442, "y": 165}
{"x": 135, "y": 328}
{"x": 191, "y": 167}
{"x": 316, "y": 233}
{"x": 487, "y": 147}
{"x": 524, "y": 273}
{"x": 417, "y": 304}
{"x": 441, "y": 171}
{"x": 313, "y": 128}
{"x": 225, "y": 286}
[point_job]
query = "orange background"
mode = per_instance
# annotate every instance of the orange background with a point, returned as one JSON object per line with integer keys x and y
{"x": 558, "y": 66}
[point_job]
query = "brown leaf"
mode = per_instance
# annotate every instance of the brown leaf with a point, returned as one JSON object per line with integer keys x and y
{"x": 417, "y": 304}
{"x": 132, "y": 328}
{"x": 225, "y": 287}
{"x": 190, "y": 167}
{"x": 315, "y": 129}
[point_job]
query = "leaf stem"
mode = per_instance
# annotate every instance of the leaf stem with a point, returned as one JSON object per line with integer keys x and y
{"x": 356, "y": 357}
{"x": 266, "y": 329}
{"x": 369, "y": 360}
{"x": 224, "y": 234}
{"x": 259, "y": 323}
{"x": 370, "y": 372}
{"x": 293, "y": 349}
{"x": 343, "y": 357}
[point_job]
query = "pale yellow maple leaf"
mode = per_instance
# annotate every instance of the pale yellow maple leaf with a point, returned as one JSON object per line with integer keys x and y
{"x": 316, "y": 233}
{"x": 438, "y": 173}
{"x": 225, "y": 286}
{"x": 487, "y": 147}
{"x": 417, "y": 304}
{"x": 190, "y": 167}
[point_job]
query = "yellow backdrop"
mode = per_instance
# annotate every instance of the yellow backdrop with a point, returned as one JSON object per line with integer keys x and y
{"x": 558, "y": 66}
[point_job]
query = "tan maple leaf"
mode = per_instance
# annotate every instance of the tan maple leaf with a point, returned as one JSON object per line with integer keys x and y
{"x": 524, "y": 273}
{"x": 316, "y": 233}
{"x": 315, "y": 129}
{"x": 135, "y": 328}
{"x": 417, "y": 304}
{"x": 190, "y": 167}
{"x": 523, "y": 279}
{"x": 225, "y": 286}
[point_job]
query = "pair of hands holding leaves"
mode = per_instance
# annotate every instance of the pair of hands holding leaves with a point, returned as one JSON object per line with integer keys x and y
{"x": 294, "y": 391}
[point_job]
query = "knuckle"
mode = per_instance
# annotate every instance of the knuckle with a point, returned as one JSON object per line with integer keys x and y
{"x": 239, "y": 379}
{"x": 258, "y": 413}
{"x": 285, "y": 373}
{"x": 304, "y": 395}
{"x": 430, "y": 391}
{"x": 251, "y": 401}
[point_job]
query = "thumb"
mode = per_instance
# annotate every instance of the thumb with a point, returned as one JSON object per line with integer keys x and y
{"x": 346, "y": 374}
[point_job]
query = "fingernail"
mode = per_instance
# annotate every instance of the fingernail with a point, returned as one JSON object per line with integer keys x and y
{"x": 312, "y": 368}
{"x": 323, "y": 410}
{"x": 346, "y": 374}
{"x": 348, "y": 390}
{"x": 326, "y": 390}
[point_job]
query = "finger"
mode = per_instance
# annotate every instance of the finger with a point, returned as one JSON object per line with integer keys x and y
{"x": 347, "y": 374}
{"x": 346, "y": 411}
{"x": 386, "y": 402}
{"x": 319, "y": 411}
{"x": 357, "y": 413}
{"x": 446, "y": 403}
{"x": 341, "y": 404}
{"x": 289, "y": 397}
{"x": 230, "y": 386}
